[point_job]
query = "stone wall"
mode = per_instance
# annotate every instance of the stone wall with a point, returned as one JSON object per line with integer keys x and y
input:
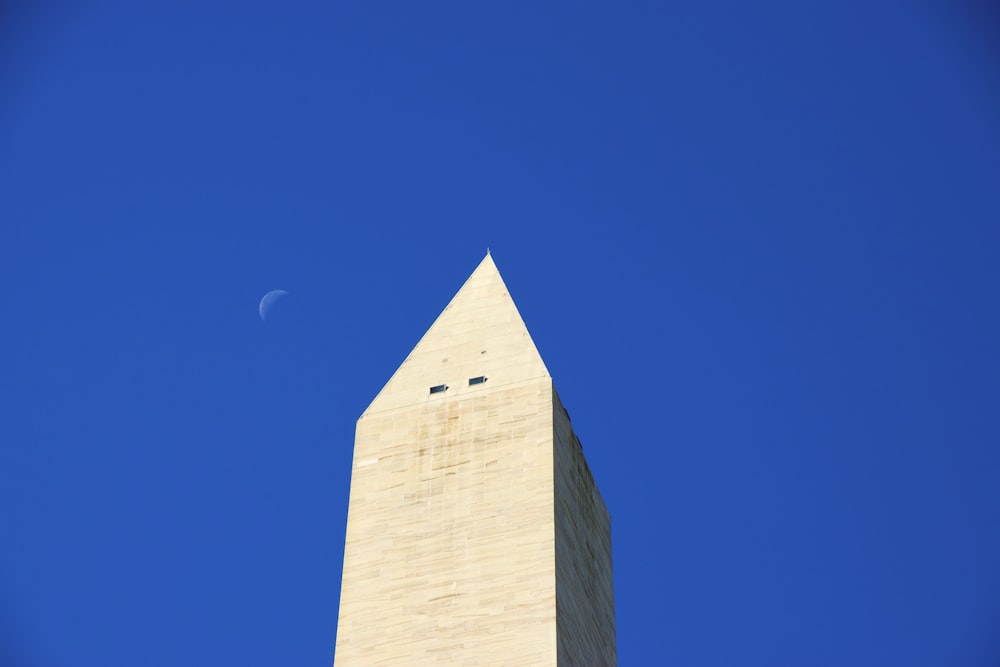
{"x": 450, "y": 556}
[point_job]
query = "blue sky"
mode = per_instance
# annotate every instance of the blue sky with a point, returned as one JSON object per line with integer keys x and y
{"x": 755, "y": 243}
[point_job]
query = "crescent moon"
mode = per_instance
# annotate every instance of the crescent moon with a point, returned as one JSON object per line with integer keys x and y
{"x": 268, "y": 301}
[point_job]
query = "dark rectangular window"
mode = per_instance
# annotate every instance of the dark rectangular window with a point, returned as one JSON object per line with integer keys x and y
{"x": 437, "y": 389}
{"x": 479, "y": 380}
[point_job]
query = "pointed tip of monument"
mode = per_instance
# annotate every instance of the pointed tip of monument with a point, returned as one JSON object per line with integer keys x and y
{"x": 480, "y": 333}
{"x": 486, "y": 261}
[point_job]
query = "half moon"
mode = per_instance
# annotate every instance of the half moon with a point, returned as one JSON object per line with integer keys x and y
{"x": 268, "y": 301}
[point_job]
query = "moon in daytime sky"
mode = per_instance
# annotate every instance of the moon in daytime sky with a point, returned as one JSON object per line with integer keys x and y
{"x": 268, "y": 301}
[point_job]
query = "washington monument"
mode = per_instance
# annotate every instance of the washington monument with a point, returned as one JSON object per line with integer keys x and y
{"x": 475, "y": 532}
